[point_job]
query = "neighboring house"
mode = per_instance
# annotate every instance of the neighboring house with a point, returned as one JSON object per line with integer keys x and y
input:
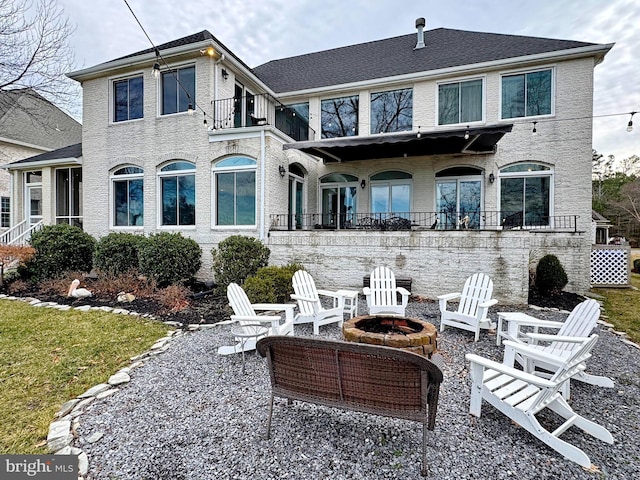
{"x": 29, "y": 125}
{"x": 418, "y": 152}
{"x": 599, "y": 229}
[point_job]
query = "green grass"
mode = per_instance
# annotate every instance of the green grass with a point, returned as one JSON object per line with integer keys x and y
{"x": 48, "y": 357}
{"x": 622, "y": 306}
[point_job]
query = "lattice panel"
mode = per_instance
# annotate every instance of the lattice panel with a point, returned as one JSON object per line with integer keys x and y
{"x": 610, "y": 266}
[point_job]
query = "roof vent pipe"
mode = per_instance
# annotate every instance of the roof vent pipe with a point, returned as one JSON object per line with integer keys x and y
{"x": 420, "y": 24}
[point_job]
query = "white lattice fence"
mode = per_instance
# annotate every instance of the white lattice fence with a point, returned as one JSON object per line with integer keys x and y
{"x": 610, "y": 266}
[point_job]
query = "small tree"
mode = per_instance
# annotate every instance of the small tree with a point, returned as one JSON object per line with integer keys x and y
{"x": 10, "y": 254}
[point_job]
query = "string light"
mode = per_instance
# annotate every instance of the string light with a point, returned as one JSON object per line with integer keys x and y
{"x": 534, "y": 131}
{"x": 466, "y": 134}
{"x": 630, "y": 124}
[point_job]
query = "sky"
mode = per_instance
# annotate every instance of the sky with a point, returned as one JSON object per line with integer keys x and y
{"x": 261, "y": 30}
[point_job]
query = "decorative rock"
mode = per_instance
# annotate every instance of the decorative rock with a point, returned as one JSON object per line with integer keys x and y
{"x": 80, "y": 406}
{"x": 106, "y": 393}
{"x": 119, "y": 378}
{"x": 83, "y": 308}
{"x": 67, "y": 407}
{"x": 59, "y": 435}
{"x": 83, "y": 464}
{"x": 95, "y": 437}
{"x": 535, "y": 307}
{"x": 93, "y": 391}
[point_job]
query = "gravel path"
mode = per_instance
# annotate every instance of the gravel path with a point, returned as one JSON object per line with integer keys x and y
{"x": 191, "y": 414}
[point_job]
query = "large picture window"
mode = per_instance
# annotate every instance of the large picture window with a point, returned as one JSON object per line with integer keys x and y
{"x": 128, "y": 99}
{"x": 69, "y": 196}
{"x": 525, "y": 195}
{"x": 234, "y": 186}
{"x": 460, "y": 102}
{"x": 178, "y": 90}
{"x": 294, "y": 120}
{"x": 527, "y": 94}
{"x": 128, "y": 197}
{"x": 459, "y": 197}
{"x": 339, "y": 117}
{"x": 391, "y": 193}
{"x": 178, "y": 194}
{"x": 392, "y": 111}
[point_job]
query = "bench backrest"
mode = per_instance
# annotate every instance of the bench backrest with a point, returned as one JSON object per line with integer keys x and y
{"x": 367, "y": 378}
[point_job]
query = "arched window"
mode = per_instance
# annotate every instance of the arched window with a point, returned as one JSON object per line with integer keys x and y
{"x": 234, "y": 187}
{"x": 178, "y": 194}
{"x": 127, "y": 187}
{"x": 525, "y": 195}
{"x": 391, "y": 193}
{"x": 459, "y": 197}
{"x": 339, "y": 192}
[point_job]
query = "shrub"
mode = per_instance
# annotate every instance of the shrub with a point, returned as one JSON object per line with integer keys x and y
{"x": 60, "y": 248}
{"x": 238, "y": 257}
{"x": 169, "y": 258}
{"x": 550, "y": 276}
{"x": 636, "y": 265}
{"x": 271, "y": 284}
{"x": 117, "y": 253}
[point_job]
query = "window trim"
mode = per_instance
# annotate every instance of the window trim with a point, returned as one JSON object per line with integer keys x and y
{"x": 160, "y": 90}
{"x": 112, "y": 197}
{"x": 5, "y": 213}
{"x": 483, "y": 120}
{"x": 214, "y": 185}
{"x": 112, "y": 97}
{"x": 173, "y": 173}
{"x": 525, "y": 71}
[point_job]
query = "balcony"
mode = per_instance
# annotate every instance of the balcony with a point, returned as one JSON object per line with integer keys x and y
{"x": 259, "y": 110}
{"x": 479, "y": 220}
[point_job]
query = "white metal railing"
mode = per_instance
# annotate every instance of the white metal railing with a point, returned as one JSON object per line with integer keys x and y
{"x": 610, "y": 265}
{"x": 20, "y": 234}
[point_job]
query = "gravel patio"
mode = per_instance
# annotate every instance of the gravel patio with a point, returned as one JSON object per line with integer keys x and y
{"x": 189, "y": 413}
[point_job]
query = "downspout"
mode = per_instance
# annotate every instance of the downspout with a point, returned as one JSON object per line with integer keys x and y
{"x": 263, "y": 169}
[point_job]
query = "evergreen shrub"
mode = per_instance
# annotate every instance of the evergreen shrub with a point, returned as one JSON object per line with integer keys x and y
{"x": 237, "y": 258}
{"x": 551, "y": 277}
{"x": 169, "y": 258}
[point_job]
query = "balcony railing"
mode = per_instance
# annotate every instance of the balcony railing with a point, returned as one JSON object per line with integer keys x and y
{"x": 480, "y": 220}
{"x": 262, "y": 109}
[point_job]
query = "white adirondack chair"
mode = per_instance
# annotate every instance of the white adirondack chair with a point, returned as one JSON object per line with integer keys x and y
{"x": 473, "y": 308}
{"x": 382, "y": 293}
{"x": 550, "y": 355}
{"x": 310, "y": 307}
{"x": 245, "y": 314}
{"x": 521, "y": 396}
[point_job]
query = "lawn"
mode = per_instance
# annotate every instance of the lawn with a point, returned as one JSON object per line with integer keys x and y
{"x": 49, "y": 356}
{"x": 622, "y": 305}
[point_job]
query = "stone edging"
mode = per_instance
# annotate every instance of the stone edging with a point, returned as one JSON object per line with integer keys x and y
{"x": 63, "y": 431}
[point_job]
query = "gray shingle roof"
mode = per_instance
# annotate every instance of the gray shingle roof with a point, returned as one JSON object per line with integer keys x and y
{"x": 71, "y": 151}
{"x": 396, "y": 56}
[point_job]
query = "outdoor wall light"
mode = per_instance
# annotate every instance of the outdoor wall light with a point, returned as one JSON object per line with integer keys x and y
{"x": 363, "y": 183}
{"x": 466, "y": 134}
{"x": 282, "y": 170}
{"x": 492, "y": 178}
{"x": 225, "y": 74}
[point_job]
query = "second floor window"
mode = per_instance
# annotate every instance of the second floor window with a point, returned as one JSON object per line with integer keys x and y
{"x": 526, "y": 94}
{"x": 128, "y": 99}
{"x": 460, "y": 102}
{"x": 339, "y": 117}
{"x": 392, "y": 111}
{"x": 178, "y": 194}
{"x": 178, "y": 90}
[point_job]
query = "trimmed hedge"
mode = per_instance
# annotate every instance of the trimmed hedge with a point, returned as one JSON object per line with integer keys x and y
{"x": 271, "y": 284}
{"x": 237, "y": 258}
{"x": 551, "y": 277}
{"x": 60, "y": 248}
{"x": 117, "y": 253}
{"x": 169, "y": 258}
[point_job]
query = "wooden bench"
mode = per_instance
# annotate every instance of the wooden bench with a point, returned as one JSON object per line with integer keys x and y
{"x": 366, "y": 378}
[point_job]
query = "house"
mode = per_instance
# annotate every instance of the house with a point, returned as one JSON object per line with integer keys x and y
{"x": 438, "y": 153}
{"x": 29, "y": 125}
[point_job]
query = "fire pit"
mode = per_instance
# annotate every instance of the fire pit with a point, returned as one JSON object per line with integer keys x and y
{"x": 411, "y": 334}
